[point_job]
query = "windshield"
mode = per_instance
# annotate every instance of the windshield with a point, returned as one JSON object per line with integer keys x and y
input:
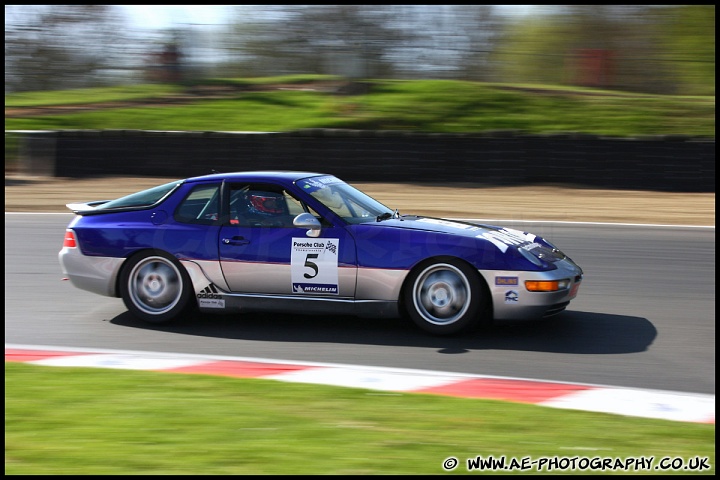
{"x": 145, "y": 198}
{"x": 346, "y": 201}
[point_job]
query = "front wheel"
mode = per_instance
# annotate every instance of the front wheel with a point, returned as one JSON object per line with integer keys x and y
{"x": 445, "y": 296}
{"x": 155, "y": 287}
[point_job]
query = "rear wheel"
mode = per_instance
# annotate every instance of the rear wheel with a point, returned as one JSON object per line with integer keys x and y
{"x": 445, "y": 296}
{"x": 155, "y": 287}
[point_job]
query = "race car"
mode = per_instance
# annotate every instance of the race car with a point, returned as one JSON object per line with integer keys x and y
{"x": 307, "y": 243}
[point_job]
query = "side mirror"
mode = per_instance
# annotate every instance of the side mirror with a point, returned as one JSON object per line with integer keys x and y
{"x": 306, "y": 220}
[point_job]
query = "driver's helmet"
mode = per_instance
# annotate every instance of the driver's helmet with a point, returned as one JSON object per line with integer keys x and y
{"x": 266, "y": 203}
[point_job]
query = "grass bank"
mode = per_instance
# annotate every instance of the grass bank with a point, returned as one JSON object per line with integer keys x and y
{"x": 441, "y": 106}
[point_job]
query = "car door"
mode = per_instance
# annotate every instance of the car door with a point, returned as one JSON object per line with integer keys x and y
{"x": 262, "y": 252}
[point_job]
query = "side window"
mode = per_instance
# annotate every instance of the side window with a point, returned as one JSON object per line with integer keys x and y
{"x": 201, "y": 205}
{"x": 297, "y": 207}
{"x": 260, "y": 205}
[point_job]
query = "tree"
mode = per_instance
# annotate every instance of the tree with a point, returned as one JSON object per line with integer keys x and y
{"x": 54, "y": 47}
{"x": 348, "y": 40}
{"x": 689, "y": 45}
{"x": 653, "y": 49}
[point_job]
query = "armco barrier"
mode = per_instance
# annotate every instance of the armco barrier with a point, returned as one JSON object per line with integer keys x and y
{"x": 663, "y": 163}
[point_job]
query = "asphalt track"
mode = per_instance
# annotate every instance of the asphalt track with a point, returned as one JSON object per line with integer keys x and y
{"x": 644, "y": 319}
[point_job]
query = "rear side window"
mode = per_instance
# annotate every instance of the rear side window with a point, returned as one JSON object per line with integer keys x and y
{"x": 146, "y": 198}
{"x": 201, "y": 205}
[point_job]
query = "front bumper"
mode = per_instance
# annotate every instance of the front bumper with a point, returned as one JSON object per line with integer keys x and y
{"x": 512, "y": 301}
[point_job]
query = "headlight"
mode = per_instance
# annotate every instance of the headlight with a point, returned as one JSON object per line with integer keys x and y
{"x": 529, "y": 256}
{"x": 555, "y": 250}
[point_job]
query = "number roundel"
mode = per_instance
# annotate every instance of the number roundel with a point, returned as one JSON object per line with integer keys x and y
{"x": 314, "y": 265}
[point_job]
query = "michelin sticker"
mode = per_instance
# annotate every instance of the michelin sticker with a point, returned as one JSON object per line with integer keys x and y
{"x": 314, "y": 265}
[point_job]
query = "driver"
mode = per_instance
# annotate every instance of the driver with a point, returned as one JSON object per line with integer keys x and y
{"x": 266, "y": 208}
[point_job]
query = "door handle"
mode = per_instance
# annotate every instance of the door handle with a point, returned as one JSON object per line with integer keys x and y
{"x": 237, "y": 240}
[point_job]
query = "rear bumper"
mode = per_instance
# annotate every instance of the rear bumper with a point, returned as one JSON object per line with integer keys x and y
{"x": 94, "y": 274}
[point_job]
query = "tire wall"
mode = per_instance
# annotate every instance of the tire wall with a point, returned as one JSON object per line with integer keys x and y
{"x": 682, "y": 164}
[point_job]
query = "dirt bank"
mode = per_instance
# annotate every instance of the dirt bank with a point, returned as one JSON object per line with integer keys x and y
{"x": 39, "y": 194}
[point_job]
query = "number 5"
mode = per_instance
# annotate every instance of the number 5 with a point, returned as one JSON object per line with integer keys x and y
{"x": 312, "y": 265}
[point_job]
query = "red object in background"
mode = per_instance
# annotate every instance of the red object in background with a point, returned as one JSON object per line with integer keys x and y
{"x": 592, "y": 67}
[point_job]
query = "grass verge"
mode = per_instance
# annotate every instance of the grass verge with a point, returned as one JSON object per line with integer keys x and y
{"x": 68, "y": 421}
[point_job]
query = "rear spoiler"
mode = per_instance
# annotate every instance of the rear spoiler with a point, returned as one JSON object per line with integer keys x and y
{"x": 84, "y": 207}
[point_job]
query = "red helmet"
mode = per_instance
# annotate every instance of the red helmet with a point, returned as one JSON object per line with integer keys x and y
{"x": 266, "y": 203}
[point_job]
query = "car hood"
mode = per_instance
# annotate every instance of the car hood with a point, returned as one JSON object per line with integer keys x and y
{"x": 533, "y": 247}
{"x": 460, "y": 227}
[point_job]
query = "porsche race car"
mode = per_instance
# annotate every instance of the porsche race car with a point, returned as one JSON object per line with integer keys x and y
{"x": 307, "y": 243}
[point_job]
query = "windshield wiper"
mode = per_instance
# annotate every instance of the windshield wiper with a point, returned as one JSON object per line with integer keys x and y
{"x": 387, "y": 215}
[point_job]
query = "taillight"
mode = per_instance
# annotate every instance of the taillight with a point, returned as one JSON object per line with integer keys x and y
{"x": 69, "y": 239}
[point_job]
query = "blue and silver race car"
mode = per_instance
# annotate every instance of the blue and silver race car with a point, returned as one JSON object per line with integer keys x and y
{"x": 304, "y": 242}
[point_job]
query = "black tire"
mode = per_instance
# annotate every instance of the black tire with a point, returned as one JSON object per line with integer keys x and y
{"x": 444, "y": 296}
{"x": 155, "y": 287}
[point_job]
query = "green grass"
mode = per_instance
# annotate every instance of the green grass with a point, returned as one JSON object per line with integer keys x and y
{"x": 70, "y": 421}
{"x": 89, "y": 95}
{"x": 422, "y": 106}
{"x": 282, "y": 79}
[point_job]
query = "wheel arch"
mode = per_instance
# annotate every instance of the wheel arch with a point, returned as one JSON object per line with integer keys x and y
{"x": 409, "y": 279}
{"x": 160, "y": 294}
{"x": 128, "y": 261}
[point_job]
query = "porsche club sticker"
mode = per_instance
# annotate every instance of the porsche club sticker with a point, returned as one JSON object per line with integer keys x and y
{"x": 211, "y": 303}
{"x": 511, "y": 297}
{"x": 314, "y": 265}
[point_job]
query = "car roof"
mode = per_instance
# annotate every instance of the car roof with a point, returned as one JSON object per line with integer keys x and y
{"x": 257, "y": 176}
